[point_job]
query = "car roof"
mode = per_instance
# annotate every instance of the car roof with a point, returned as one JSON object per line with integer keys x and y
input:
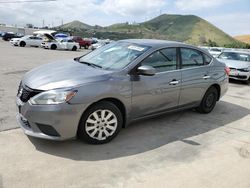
{"x": 152, "y": 42}
{"x": 238, "y": 51}
{"x": 155, "y": 43}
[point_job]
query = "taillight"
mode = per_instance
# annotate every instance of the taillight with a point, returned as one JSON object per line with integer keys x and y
{"x": 227, "y": 70}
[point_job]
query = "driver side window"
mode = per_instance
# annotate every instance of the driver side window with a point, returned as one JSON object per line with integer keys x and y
{"x": 162, "y": 60}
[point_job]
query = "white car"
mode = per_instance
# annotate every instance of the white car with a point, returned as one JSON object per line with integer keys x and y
{"x": 215, "y": 51}
{"x": 62, "y": 44}
{"x": 28, "y": 40}
{"x": 239, "y": 64}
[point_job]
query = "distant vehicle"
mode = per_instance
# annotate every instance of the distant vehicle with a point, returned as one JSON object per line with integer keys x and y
{"x": 239, "y": 64}
{"x": 215, "y": 51}
{"x": 98, "y": 44}
{"x": 82, "y": 42}
{"x": 61, "y": 36}
{"x": 9, "y": 35}
{"x": 28, "y": 40}
{"x": 63, "y": 44}
{"x": 93, "y": 96}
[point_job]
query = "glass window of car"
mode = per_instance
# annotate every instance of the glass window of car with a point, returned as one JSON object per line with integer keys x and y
{"x": 207, "y": 59}
{"x": 191, "y": 58}
{"x": 163, "y": 60}
{"x": 70, "y": 41}
{"x": 115, "y": 55}
{"x": 235, "y": 56}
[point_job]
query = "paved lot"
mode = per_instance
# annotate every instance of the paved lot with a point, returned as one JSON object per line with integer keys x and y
{"x": 184, "y": 149}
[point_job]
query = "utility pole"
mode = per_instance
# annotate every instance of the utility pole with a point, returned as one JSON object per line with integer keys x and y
{"x": 43, "y": 23}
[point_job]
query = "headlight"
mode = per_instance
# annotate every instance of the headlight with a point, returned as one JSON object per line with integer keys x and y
{"x": 53, "y": 97}
{"x": 246, "y": 69}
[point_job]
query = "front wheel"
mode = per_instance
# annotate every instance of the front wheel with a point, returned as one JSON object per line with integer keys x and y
{"x": 53, "y": 47}
{"x": 100, "y": 123}
{"x": 74, "y": 48}
{"x": 209, "y": 100}
{"x": 22, "y": 44}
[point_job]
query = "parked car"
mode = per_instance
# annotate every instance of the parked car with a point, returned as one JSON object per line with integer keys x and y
{"x": 92, "y": 97}
{"x": 63, "y": 44}
{"x": 215, "y": 51}
{"x": 9, "y": 35}
{"x": 239, "y": 64}
{"x": 28, "y": 40}
{"x": 99, "y": 44}
{"x": 82, "y": 42}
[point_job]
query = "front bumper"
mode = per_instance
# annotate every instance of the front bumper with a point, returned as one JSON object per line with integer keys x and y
{"x": 53, "y": 122}
{"x": 239, "y": 75}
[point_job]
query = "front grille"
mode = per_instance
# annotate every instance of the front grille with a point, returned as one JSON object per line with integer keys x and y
{"x": 25, "y": 93}
{"x": 239, "y": 76}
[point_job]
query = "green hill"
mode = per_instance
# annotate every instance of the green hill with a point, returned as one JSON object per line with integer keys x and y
{"x": 75, "y": 25}
{"x": 184, "y": 28}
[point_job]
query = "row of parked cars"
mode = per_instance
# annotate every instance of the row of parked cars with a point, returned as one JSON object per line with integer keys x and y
{"x": 54, "y": 42}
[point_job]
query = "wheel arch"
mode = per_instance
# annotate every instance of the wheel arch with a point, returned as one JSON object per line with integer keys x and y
{"x": 118, "y": 103}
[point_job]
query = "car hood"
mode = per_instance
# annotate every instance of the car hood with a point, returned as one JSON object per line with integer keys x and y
{"x": 63, "y": 74}
{"x": 235, "y": 64}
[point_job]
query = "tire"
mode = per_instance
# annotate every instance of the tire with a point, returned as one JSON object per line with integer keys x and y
{"x": 90, "y": 127}
{"x": 74, "y": 48}
{"x": 247, "y": 81}
{"x": 22, "y": 44}
{"x": 209, "y": 101}
{"x": 53, "y": 47}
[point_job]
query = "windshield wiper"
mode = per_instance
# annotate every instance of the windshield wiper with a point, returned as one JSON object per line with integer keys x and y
{"x": 91, "y": 64}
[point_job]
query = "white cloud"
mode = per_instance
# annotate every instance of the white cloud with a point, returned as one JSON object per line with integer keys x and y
{"x": 133, "y": 7}
{"x": 89, "y": 11}
{"x": 190, "y": 5}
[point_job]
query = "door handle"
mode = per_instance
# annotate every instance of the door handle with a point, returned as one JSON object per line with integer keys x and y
{"x": 174, "y": 82}
{"x": 206, "y": 77}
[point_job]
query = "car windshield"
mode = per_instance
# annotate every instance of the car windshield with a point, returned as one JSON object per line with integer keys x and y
{"x": 235, "y": 56}
{"x": 115, "y": 56}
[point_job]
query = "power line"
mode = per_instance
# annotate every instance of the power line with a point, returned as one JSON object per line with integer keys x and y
{"x": 26, "y": 1}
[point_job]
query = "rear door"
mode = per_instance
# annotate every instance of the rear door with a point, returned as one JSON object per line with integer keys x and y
{"x": 195, "y": 72}
{"x": 152, "y": 94}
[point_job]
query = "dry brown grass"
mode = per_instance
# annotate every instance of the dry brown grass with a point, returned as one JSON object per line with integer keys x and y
{"x": 243, "y": 38}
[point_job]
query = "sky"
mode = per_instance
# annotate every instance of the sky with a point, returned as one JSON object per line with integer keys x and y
{"x": 232, "y": 16}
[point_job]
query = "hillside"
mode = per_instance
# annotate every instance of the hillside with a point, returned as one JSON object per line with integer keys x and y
{"x": 184, "y": 28}
{"x": 75, "y": 25}
{"x": 243, "y": 38}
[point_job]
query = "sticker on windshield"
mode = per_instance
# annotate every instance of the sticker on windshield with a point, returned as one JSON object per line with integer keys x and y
{"x": 137, "y": 48}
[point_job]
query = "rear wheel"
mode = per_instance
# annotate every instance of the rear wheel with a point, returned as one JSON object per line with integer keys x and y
{"x": 209, "y": 101}
{"x": 74, "y": 48}
{"x": 100, "y": 123}
{"x": 53, "y": 47}
{"x": 22, "y": 44}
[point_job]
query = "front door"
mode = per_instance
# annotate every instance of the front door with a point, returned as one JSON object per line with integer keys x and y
{"x": 152, "y": 94}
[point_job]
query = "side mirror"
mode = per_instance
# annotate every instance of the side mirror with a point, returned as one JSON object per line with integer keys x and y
{"x": 77, "y": 58}
{"x": 146, "y": 70}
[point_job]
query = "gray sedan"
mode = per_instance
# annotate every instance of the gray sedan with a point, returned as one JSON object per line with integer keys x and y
{"x": 239, "y": 64}
{"x": 92, "y": 97}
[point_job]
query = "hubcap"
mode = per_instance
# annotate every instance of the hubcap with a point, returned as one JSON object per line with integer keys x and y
{"x": 101, "y": 124}
{"x": 210, "y": 100}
